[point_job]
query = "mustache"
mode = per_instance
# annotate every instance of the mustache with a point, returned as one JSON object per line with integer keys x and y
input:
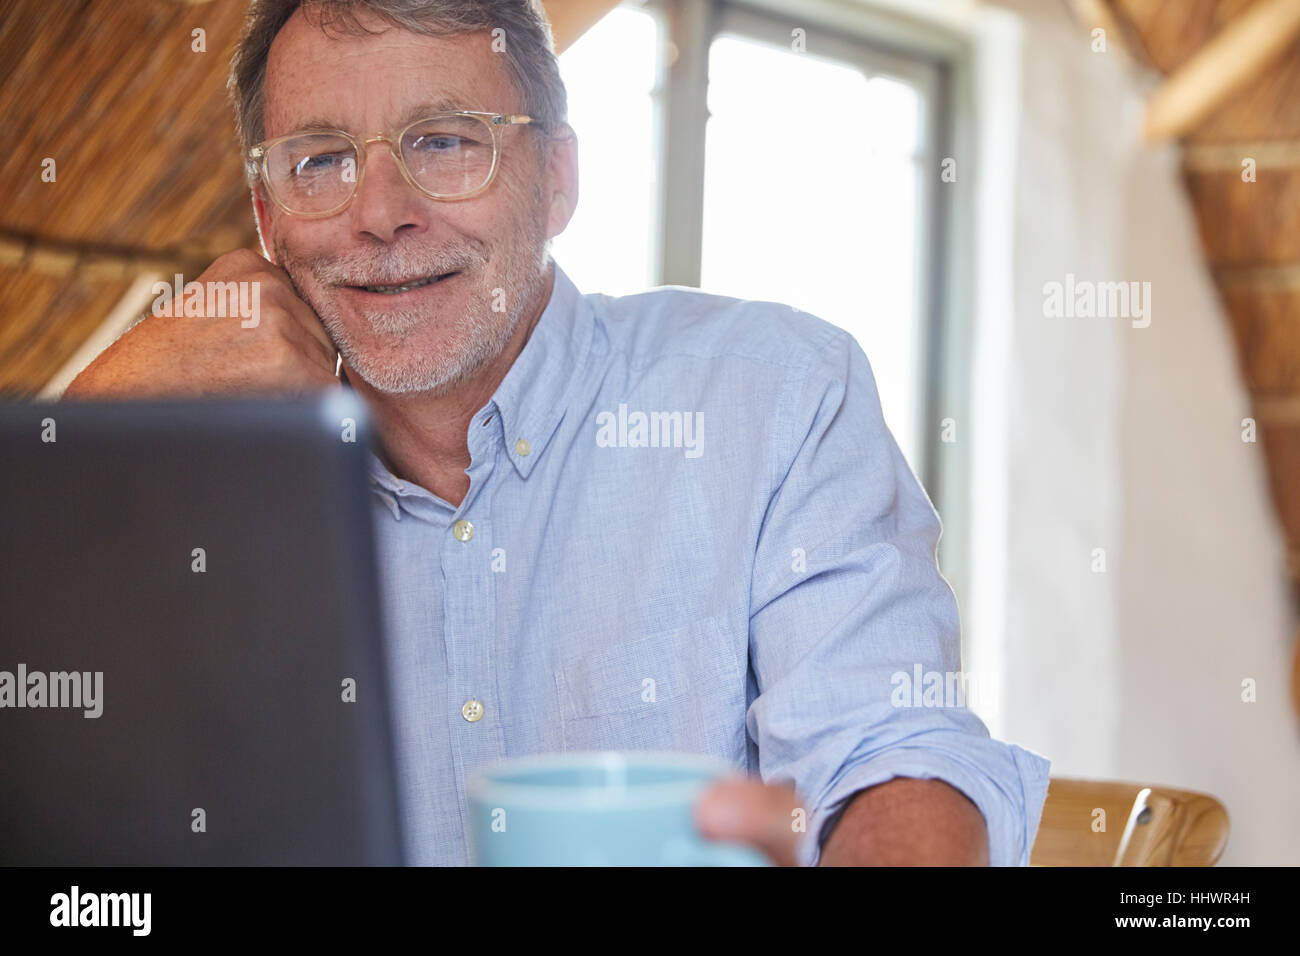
{"x": 385, "y": 267}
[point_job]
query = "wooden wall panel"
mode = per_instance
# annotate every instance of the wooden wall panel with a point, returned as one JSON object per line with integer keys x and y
{"x": 1247, "y": 223}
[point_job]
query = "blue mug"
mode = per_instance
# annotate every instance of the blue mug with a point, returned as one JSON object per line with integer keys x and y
{"x": 597, "y": 809}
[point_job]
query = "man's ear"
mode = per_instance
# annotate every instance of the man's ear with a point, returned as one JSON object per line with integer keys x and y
{"x": 562, "y": 170}
{"x": 262, "y": 216}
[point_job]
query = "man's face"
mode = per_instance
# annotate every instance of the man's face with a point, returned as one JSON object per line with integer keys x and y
{"x": 486, "y": 251}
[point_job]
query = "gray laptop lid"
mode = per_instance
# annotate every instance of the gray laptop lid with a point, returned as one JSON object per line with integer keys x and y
{"x": 213, "y": 561}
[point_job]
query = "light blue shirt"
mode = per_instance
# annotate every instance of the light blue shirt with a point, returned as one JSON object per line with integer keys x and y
{"x": 687, "y": 528}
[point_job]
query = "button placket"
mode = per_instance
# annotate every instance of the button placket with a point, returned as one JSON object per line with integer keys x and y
{"x": 469, "y": 631}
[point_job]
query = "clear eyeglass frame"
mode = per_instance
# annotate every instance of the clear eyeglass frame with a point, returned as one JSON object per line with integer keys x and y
{"x": 495, "y": 122}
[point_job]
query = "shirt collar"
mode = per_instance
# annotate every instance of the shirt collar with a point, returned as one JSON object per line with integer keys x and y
{"x": 532, "y": 398}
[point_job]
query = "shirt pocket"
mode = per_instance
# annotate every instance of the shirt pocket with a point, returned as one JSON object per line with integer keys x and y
{"x": 681, "y": 689}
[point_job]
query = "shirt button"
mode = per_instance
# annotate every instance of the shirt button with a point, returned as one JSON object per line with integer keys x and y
{"x": 463, "y": 530}
{"x": 523, "y": 447}
{"x": 472, "y": 711}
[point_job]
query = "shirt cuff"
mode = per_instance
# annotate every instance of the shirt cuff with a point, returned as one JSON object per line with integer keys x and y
{"x": 1012, "y": 804}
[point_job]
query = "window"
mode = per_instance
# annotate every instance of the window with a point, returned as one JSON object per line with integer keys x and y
{"x": 611, "y": 74}
{"x": 811, "y": 198}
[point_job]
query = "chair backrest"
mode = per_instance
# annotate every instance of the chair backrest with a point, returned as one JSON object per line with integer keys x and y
{"x": 1109, "y": 823}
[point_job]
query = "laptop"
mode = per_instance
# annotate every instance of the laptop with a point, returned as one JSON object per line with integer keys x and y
{"x": 191, "y": 658}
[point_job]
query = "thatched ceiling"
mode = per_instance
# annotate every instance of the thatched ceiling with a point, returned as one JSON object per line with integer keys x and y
{"x": 145, "y": 165}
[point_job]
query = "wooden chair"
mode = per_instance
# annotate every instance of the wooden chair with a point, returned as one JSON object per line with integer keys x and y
{"x": 1144, "y": 826}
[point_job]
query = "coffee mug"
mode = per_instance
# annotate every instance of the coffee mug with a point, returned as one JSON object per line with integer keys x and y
{"x": 597, "y": 809}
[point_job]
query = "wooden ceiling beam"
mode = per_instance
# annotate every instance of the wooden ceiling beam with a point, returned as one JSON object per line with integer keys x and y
{"x": 1227, "y": 157}
{"x": 1232, "y": 58}
{"x": 1268, "y": 276}
{"x": 58, "y": 258}
{"x": 570, "y": 19}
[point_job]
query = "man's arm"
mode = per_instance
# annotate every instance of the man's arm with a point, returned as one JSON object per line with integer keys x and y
{"x": 901, "y": 822}
{"x": 281, "y": 348}
{"x": 907, "y": 822}
{"x": 854, "y": 635}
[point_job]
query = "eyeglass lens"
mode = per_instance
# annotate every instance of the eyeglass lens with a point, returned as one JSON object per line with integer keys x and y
{"x": 446, "y": 156}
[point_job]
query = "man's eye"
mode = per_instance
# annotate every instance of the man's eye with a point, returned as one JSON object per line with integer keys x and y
{"x": 319, "y": 163}
{"x": 437, "y": 142}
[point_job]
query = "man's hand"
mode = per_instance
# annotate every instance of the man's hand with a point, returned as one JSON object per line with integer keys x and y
{"x": 901, "y": 822}
{"x": 746, "y": 810}
{"x": 284, "y": 349}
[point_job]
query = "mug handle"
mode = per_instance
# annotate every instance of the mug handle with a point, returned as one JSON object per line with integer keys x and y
{"x": 708, "y": 853}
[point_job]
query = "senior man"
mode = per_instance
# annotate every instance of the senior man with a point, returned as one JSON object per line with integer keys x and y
{"x": 665, "y": 521}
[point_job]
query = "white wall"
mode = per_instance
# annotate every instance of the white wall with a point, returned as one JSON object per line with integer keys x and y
{"x": 1089, "y": 433}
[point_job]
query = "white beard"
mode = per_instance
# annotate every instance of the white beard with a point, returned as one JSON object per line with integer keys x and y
{"x": 482, "y": 334}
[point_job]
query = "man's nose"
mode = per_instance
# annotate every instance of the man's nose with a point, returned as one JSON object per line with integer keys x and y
{"x": 386, "y": 205}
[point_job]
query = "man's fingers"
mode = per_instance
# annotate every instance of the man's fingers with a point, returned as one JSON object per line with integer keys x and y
{"x": 303, "y": 316}
{"x": 311, "y": 323}
{"x": 298, "y": 332}
{"x": 315, "y": 374}
{"x": 275, "y": 290}
{"x": 748, "y": 811}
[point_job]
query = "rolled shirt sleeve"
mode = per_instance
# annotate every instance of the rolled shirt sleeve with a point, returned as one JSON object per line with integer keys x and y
{"x": 847, "y": 607}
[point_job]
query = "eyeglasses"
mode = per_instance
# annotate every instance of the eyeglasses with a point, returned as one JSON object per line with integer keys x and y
{"x": 448, "y": 156}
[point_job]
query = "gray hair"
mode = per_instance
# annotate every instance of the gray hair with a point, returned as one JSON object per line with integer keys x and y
{"x": 529, "y": 48}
